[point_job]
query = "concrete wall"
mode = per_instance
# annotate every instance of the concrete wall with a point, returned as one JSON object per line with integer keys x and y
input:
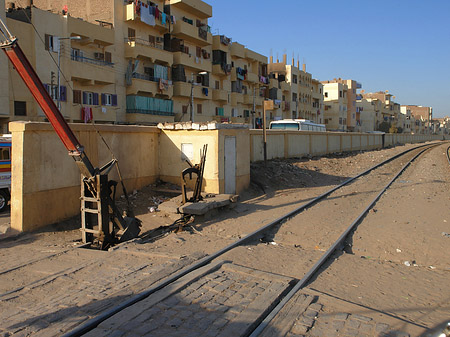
{"x": 292, "y": 144}
{"x": 46, "y": 181}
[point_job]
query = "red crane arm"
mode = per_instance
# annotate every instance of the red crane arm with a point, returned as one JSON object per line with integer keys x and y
{"x": 40, "y": 94}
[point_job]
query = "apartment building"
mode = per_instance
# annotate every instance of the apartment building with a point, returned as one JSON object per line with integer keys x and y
{"x": 425, "y": 114}
{"x": 136, "y": 62}
{"x": 293, "y": 87}
{"x": 408, "y": 120}
{"x": 390, "y": 110}
{"x": 317, "y": 101}
{"x": 370, "y": 111}
{"x": 335, "y": 105}
{"x": 353, "y": 118}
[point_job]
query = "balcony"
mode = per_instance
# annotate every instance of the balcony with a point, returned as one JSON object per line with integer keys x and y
{"x": 285, "y": 87}
{"x": 248, "y": 99}
{"x": 149, "y": 106}
{"x": 89, "y": 32}
{"x": 155, "y": 52}
{"x": 196, "y": 7}
{"x": 218, "y": 70}
{"x": 188, "y": 32}
{"x": 183, "y": 89}
{"x": 237, "y": 50}
{"x": 220, "y": 42}
{"x": 131, "y": 15}
{"x": 91, "y": 71}
{"x": 197, "y": 63}
{"x": 252, "y": 77}
{"x": 236, "y": 98}
{"x": 219, "y": 95}
{"x": 142, "y": 83}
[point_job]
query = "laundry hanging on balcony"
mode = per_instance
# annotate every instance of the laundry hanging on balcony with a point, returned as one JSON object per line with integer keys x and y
{"x": 146, "y": 16}
{"x": 86, "y": 114}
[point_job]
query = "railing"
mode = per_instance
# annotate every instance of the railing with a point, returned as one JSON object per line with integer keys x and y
{"x": 148, "y": 78}
{"x": 144, "y": 42}
{"x": 150, "y": 112}
{"x": 91, "y": 61}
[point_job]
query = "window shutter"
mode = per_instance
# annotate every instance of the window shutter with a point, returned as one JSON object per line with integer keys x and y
{"x": 47, "y": 41}
{"x": 108, "y": 57}
{"x": 198, "y": 51}
{"x": 85, "y": 97}
{"x": 63, "y": 93}
{"x": 103, "y": 99}
{"x": 95, "y": 98}
{"x": 114, "y": 100}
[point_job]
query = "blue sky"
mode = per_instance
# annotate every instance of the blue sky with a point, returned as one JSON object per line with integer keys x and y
{"x": 402, "y": 46}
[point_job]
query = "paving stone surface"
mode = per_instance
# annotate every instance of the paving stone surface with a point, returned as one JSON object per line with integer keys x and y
{"x": 347, "y": 325}
{"x": 224, "y": 302}
{"x": 50, "y": 296}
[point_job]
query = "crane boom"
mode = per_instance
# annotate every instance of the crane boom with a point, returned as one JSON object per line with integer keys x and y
{"x": 96, "y": 189}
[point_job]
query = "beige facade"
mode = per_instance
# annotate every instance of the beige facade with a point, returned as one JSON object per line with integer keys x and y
{"x": 128, "y": 69}
{"x": 390, "y": 110}
{"x": 353, "y": 117}
{"x": 317, "y": 101}
{"x": 293, "y": 87}
{"x": 335, "y": 105}
{"x": 424, "y": 114}
{"x": 370, "y": 112}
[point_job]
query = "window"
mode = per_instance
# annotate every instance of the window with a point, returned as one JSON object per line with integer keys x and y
{"x": 51, "y": 43}
{"x": 199, "y": 108}
{"x": 77, "y": 96}
{"x": 340, "y": 120}
{"x": 131, "y": 34}
{"x": 246, "y": 113}
{"x": 20, "y": 108}
{"x": 219, "y": 111}
{"x": 184, "y": 109}
{"x": 108, "y": 57}
{"x": 340, "y": 93}
{"x": 294, "y": 97}
{"x": 217, "y": 85}
{"x": 90, "y": 98}
{"x": 326, "y": 94}
{"x": 294, "y": 79}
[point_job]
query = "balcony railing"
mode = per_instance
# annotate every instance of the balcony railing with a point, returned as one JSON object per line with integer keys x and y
{"x": 146, "y": 77}
{"x": 143, "y": 42}
{"x": 79, "y": 58}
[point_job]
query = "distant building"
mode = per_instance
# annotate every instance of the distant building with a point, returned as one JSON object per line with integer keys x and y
{"x": 335, "y": 105}
{"x": 425, "y": 114}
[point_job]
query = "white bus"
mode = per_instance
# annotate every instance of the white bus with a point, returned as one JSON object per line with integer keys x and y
{"x": 297, "y": 124}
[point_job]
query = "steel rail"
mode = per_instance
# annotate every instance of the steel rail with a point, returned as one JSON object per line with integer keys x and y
{"x": 94, "y": 322}
{"x": 338, "y": 243}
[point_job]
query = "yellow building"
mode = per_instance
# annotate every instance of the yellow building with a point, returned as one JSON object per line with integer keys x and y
{"x": 317, "y": 101}
{"x": 335, "y": 102}
{"x": 239, "y": 77}
{"x": 128, "y": 62}
{"x": 292, "y": 86}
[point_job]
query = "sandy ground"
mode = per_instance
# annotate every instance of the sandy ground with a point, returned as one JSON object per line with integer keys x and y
{"x": 400, "y": 258}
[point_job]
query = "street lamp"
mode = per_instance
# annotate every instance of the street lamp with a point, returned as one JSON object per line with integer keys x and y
{"x": 192, "y": 94}
{"x": 58, "y": 91}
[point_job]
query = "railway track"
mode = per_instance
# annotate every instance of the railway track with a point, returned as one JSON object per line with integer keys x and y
{"x": 198, "y": 284}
